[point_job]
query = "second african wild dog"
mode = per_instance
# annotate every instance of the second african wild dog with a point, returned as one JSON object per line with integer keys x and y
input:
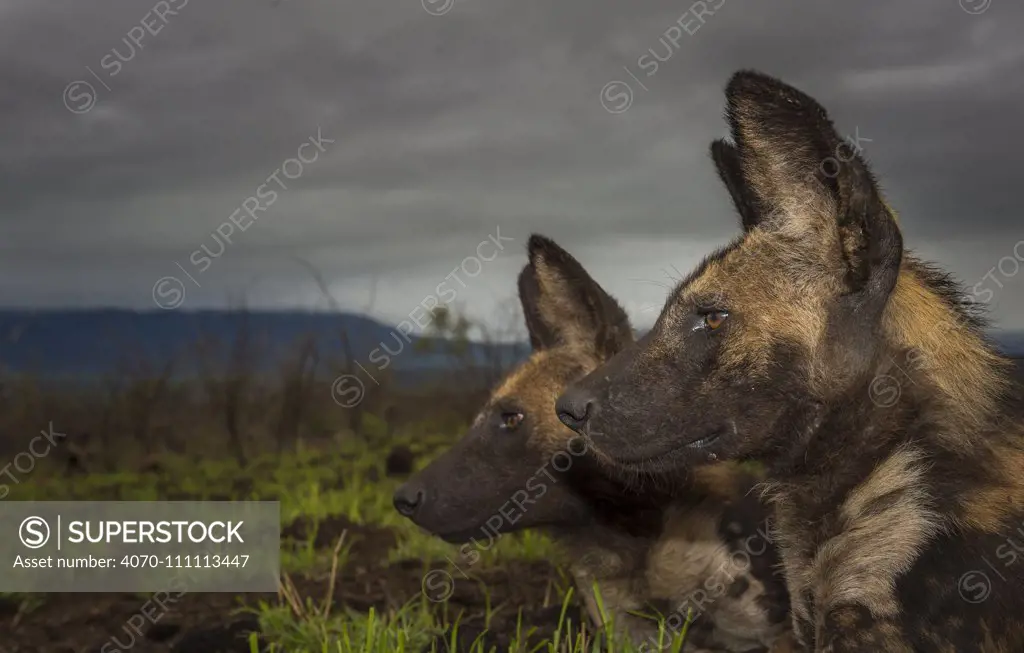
{"x": 858, "y": 374}
{"x": 518, "y": 467}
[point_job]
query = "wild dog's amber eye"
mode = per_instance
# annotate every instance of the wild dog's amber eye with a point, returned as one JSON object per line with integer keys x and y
{"x": 511, "y": 420}
{"x": 715, "y": 319}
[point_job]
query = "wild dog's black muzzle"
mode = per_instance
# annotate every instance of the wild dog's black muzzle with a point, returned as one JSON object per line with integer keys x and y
{"x": 575, "y": 409}
{"x": 409, "y": 498}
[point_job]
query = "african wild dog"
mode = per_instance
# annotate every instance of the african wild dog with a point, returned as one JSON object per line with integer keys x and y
{"x": 856, "y": 373}
{"x": 518, "y": 467}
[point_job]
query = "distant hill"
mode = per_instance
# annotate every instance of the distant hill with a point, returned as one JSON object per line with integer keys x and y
{"x": 1011, "y": 342}
{"x": 87, "y": 343}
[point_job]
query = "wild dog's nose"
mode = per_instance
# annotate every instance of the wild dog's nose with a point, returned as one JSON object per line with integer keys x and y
{"x": 408, "y": 499}
{"x": 574, "y": 409}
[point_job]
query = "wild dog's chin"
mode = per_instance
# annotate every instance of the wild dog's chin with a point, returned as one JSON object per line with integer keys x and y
{"x": 462, "y": 533}
{"x": 464, "y": 536}
{"x": 483, "y": 532}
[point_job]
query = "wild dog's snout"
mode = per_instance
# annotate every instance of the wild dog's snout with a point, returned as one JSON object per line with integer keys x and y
{"x": 409, "y": 498}
{"x": 574, "y": 408}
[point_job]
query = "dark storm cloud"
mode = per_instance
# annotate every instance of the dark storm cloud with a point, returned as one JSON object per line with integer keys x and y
{"x": 447, "y": 127}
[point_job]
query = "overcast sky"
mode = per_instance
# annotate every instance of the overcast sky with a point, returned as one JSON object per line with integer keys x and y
{"x": 452, "y": 121}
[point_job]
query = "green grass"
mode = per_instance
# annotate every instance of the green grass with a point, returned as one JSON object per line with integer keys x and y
{"x": 308, "y": 629}
{"x": 348, "y": 481}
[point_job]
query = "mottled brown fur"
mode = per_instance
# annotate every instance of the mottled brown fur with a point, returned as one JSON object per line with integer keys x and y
{"x": 942, "y": 341}
{"x": 882, "y": 525}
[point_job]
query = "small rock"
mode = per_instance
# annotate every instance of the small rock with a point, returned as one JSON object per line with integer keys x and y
{"x": 399, "y": 461}
{"x": 162, "y": 632}
{"x": 233, "y": 638}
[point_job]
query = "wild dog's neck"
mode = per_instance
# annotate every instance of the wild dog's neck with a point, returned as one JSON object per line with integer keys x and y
{"x": 636, "y": 505}
{"x": 932, "y": 373}
{"x": 828, "y": 449}
{"x": 933, "y": 342}
{"x": 617, "y": 504}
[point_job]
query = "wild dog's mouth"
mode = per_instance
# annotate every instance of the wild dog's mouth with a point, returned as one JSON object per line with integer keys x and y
{"x": 706, "y": 441}
{"x": 659, "y": 455}
{"x": 461, "y": 534}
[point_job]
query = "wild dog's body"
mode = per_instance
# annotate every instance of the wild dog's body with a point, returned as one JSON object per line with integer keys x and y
{"x": 894, "y": 452}
{"x": 700, "y": 544}
{"x": 881, "y": 530}
{"x": 884, "y": 523}
{"x": 709, "y": 553}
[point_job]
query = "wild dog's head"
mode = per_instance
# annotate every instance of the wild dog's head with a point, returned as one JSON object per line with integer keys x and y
{"x": 507, "y": 472}
{"x": 785, "y": 317}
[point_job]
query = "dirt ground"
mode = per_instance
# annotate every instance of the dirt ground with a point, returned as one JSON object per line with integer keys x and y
{"x": 219, "y": 623}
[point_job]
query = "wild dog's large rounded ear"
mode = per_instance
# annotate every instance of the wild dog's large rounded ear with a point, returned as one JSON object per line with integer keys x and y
{"x": 809, "y": 181}
{"x": 730, "y": 171}
{"x": 563, "y": 305}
